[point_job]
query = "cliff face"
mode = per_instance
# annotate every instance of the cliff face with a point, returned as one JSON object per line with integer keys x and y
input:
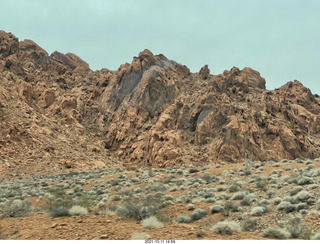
{"x": 55, "y": 111}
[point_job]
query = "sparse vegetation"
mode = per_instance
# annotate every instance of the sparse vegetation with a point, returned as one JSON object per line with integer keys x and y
{"x": 149, "y": 202}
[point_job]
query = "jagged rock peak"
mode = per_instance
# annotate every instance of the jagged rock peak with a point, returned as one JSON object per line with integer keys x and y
{"x": 204, "y": 72}
{"x": 71, "y": 60}
{"x": 9, "y": 44}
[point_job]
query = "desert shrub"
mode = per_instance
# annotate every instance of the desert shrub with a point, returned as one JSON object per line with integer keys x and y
{"x": 277, "y": 200}
{"x": 291, "y": 200}
{"x": 190, "y": 206}
{"x": 226, "y": 227}
{"x": 239, "y": 195}
{"x": 206, "y": 177}
{"x": 313, "y": 186}
{"x": 59, "y": 212}
{"x": 269, "y": 193}
{"x": 287, "y": 207}
{"x": 258, "y": 211}
{"x": 223, "y": 196}
{"x": 210, "y": 200}
{"x": 139, "y": 206}
{"x": 166, "y": 203}
{"x": 305, "y": 181}
{"x": 230, "y": 206}
{"x": 183, "y": 200}
{"x": 182, "y": 218}
{"x": 303, "y": 196}
{"x": 78, "y": 210}
{"x": 152, "y": 223}
{"x": 316, "y": 236}
{"x": 276, "y": 232}
{"x": 198, "y": 214}
{"x": 295, "y": 190}
{"x": 58, "y": 198}
{"x": 295, "y": 227}
{"x": 116, "y": 199}
{"x": 221, "y": 188}
{"x": 168, "y": 197}
{"x": 216, "y": 209}
{"x": 139, "y": 236}
{"x": 16, "y": 208}
{"x": 287, "y": 167}
{"x": 261, "y": 184}
{"x": 248, "y": 200}
{"x": 180, "y": 172}
{"x": 264, "y": 202}
{"x": 301, "y": 206}
{"x": 193, "y": 170}
{"x": 250, "y": 224}
{"x": 233, "y": 188}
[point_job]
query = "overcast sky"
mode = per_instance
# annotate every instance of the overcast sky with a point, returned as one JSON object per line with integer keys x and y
{"x": 279, "y": 38}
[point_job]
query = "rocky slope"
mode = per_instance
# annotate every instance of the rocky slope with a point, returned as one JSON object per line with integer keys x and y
{"x": 57, "y": 113}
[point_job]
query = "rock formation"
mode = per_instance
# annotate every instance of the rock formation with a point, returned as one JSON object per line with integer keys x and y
{"x": 57, "y": 113}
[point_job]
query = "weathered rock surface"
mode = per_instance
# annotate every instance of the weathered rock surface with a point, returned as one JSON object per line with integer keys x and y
{"x": 55, "y": 111}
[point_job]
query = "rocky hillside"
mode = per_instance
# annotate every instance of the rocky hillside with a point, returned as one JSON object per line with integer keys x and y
{"x": 56, "y": 113}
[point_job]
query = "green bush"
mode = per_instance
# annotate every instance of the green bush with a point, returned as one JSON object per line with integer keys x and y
{"x": 140, "y": 206}
{"x": 226, "y": 227}
{"x": 258, "y": 211}
{"x": 198, "y": 214}
{"x": 250, "y": 224}
{"x": 295, "y": 190}
{"x": 295, "y": 227}
{"x": 216, "y": 209}
{"x": 303, "y": 196}
{"x": 248, "y": 200}
{"x": 276, "y": 232}
{"x": 59, "y": 212}
{"x": 305, "y": 181}
{"x": 287, "y": 207}
{"x": 182, "y": 218}
{"x": 16, "y": 208}
{"x": 190, "y": 207}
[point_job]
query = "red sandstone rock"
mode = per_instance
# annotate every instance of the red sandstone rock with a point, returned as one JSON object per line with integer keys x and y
{"x": 150, "y": 112}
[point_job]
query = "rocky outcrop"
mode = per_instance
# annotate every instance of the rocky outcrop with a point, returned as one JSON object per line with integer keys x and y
{"x": 150, "y": 112}
{"x": 204, "y": 72}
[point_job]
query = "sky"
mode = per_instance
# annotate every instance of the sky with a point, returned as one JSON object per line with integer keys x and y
{"x": 278, "y": 38}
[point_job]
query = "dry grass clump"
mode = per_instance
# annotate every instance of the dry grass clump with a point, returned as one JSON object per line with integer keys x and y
{"x": 152, "y": 223}
{"x": 78, "y": 210}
